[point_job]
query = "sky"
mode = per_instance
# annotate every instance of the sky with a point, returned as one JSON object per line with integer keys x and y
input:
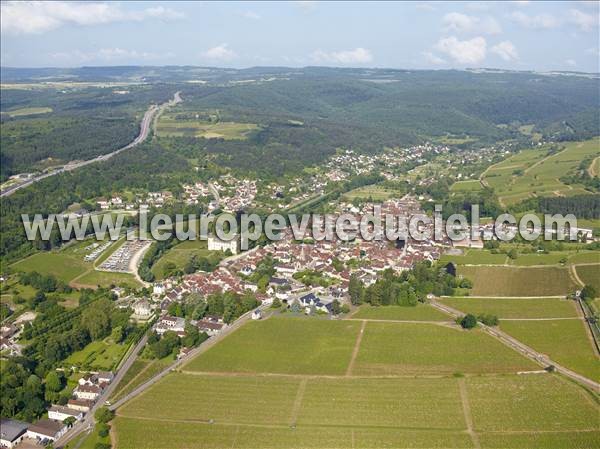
{"x": 516, "y": 35}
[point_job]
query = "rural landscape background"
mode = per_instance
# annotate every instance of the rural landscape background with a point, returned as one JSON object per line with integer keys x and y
{"x": 110, "y": 109}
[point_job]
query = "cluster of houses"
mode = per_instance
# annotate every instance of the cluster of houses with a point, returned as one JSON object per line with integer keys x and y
{"x": 60, "y": 417}
{"x": 155, "y": 199}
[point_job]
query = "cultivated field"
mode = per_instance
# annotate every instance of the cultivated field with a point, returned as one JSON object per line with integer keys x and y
{"x": 472, "y": 185}
{"x": 565, "y": 341}
{"x": 519, "y": 308}
{"x": 475, "y": 257}
{"x": 176, "y": 124}
{"x": 513, "y": 281}
{"x": 421, "y": 312}
{"x": 283, "y": 345}
{"x": 590, "y": 274}
{"x": 28, "y": 111}
{"x": 347, "y": 384}
{"x": 430, "y": 349}
{"x": 536, "y": 173}
{"x": 375, "y": 192}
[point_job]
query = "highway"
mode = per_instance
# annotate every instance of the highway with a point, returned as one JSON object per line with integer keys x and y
{"x": 145, "y": 127}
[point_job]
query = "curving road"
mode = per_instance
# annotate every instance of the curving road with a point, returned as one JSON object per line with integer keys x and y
{"x": 145, "y": 127}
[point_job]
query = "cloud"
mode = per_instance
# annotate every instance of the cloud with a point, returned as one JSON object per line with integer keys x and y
{"x": 571, "y": 62}
{"x": 250, "y": 15}
{"x": 462, "y": 23}
{"x": 433, "y": 58}
{"x": 506, "y": 50}
{"x": 540, "y": 21}
{"x": 357, "y": 56}
{"x": 108, "y": 55}
{"x": 37, "y": 17}
{"x": 306, "y": 5}
{"x": 425, "y": 6}
{"x": 584, "y": 21}
{"x": 464, "y": 52}
{"x": 221, "y": 52}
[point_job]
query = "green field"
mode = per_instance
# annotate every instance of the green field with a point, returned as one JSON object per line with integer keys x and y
{"x": 475, "y": 257}
{"x": 471, "y": 185}
{"x": 590, "y": 274}
{"x": 430, "y": 349}
{"x": 62, "y": 264}
{"x": 144, "y": 371}
{"x": 301, "y": 345}
{"x": 565, "y": 341}
{"x": 535, "y": 173}
{"x": 375, "y": 192}
{"x": 280, "y": 412}
{"x": 513, "y": 281}
{"x": 98, "y": 355}
{"x": 175, "y": 125}
{"x": 181, "y": 253}
{"x": 96, "y": 278}
{"x": 507, "y": 308}
{"x": 28, "y": 111}
{"x": 421, "y": 312}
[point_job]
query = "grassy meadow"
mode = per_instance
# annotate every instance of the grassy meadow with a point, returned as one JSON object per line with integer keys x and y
{"x": 519, "y": 308}
{"x": 421, "y": 312}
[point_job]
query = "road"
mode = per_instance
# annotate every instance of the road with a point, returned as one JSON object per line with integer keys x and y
{"x": 89, "y": 421}
{"x": 206, "y": 345}
{"x": 532, "y": 354}
{"x": 143, "y": 134}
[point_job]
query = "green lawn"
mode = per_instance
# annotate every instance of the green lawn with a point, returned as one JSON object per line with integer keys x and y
{"x": 170, "y": 125}
{"x": 513, "y": 281}
{"x": 99, "y": 355}
{"x": 181, "y": 253}
{"x": 28, "y": 111}
{"x": 515, "y": 307}
{"x": 416, "y": 348}
{"x": 107, "y": 278}
{"x": 565, "y": 341}
{"x": 64, "y": 265}
{"x": 421, "y": 312}
{"x": 283, "y": 345}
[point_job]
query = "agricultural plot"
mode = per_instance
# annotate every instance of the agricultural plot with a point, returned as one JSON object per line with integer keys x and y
{"x": 400, "y": 403}
{"x": 145, "y": 371}
{"x": 22, "y": 112}
{"x": 374, "y": 192}
{"x": 421, "y": 312}
{"x": 536, "y": 402}
{"x": 283, "y": 345}
{"x": 187, "y": 125}
{"x": 133, "y": 434}
{"x": 233, "y": 399}
{"x": 62, "y": 264}
{"x": 590, "y": 274}
{"x": 475, "y": 257}
{"x": 514, "y": 281}
{"x": 416, "y": 348}
{"x": 472, "y": 185}
{"x": 520, "y": 308}
{"x": 565, "y": 341}
{"x": 535, "y": 173}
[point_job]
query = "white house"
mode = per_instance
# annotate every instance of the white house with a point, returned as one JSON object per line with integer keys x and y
{"x": 90, "y": 392}
{"x": 83, "y": 405}
{"x": 216, "y": 244}
{"x": 142, "y": 310}
{"x": 256, "y": 314}
{"x": 170, "y": 323}
{"x": 11, "y": 432}
{"x": 105, "y": 377}
{"x": 60, "y": 413}
{"x": 46, "y": 430}
{"x": 158, "y": 289}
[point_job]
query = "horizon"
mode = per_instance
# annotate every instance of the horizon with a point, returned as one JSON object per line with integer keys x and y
{"x": 530, "y": 36}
